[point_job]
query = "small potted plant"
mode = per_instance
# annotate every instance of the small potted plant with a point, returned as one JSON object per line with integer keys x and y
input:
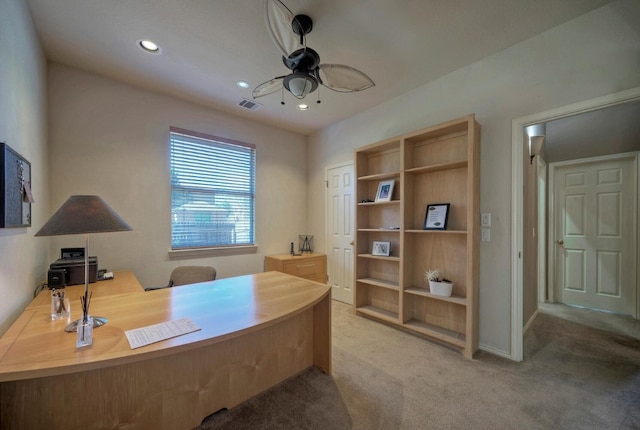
{"x": 437, "y": 285}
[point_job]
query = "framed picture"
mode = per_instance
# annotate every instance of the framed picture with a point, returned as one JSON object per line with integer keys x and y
{"x": 381, "y": 248}
{"x": 385, "y": 190}
{"x": 437, "y": 216}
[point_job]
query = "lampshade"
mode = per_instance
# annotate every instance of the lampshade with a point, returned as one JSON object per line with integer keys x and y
{"x": 300, "y": 84}
{"x": 82, "y": 215}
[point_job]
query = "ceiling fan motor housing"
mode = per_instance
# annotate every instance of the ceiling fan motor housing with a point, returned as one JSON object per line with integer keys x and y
{"x": 302, "y": 59}
{"x": 302, "y": 25}
{"x": 304, "y": 80}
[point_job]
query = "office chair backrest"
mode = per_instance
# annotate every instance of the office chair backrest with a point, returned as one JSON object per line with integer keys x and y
{"x": 192, "y": 274}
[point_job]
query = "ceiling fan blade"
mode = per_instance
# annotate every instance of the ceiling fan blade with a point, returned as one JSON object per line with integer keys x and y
{"x": 268, "y": 87}
{"x": 344, "y": 79}
{"x": 278, "y": 19}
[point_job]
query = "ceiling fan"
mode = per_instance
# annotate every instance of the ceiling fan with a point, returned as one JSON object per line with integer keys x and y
{"x": 288, "y": 32}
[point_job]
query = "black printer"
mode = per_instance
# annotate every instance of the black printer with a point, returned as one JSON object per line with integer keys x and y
{"x": 72, "y": 263}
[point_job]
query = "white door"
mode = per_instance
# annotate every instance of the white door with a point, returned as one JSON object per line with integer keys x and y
{"x": 595, "y": 237}
{"x": 340, "y": 207}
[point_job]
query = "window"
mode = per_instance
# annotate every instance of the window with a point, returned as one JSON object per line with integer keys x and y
{"x": 212, "y": 191}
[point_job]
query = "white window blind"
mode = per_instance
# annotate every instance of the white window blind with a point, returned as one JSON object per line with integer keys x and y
{"x": 212, "y": 191}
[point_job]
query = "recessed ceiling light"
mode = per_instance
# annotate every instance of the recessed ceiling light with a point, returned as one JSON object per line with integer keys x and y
{"x": 149, "y": 46}
{"x": 242, "y": 84}
{"x": 303, "y": 107}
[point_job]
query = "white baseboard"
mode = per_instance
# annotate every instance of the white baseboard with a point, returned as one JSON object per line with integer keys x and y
{"x": 526, "y": 326}
{"x": 496, "y": 351}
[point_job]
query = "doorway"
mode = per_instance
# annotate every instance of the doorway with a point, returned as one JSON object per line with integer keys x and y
{"x": 593, "y": 239}
{"x": 340, "y": 208}
{"x": 518, "y": 155}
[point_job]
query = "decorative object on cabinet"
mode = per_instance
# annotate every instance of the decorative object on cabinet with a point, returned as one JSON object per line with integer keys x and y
{"x": 436, "y": 164}
{"x": 15, "y": 182}
{"x": 381, "y": 248}
{"x": 306, "y": 243}
{"x": 385, "y": 191}
{"x": 437, "y": 216}
{"x": 312, "y": 266}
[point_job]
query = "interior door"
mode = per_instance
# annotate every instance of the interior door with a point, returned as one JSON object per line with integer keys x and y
{"x": 595, "y": 235}
{"x": 340, "y": 207}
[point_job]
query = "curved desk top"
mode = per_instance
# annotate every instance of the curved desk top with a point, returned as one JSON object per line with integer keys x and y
{"x": 35, "y": 346}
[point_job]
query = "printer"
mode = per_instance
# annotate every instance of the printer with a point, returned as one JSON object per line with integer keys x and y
{"x": 71, "y": 262}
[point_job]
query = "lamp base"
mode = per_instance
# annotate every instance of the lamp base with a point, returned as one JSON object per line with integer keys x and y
{"x": 97, "y": 322}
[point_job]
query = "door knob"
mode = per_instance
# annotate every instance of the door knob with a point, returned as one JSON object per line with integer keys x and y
{"x": 560, "y": 242}
{"x": 351, "y": 243}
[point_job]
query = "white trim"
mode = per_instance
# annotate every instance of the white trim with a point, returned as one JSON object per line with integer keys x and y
{"x": 517, "y": 138}
{"x": 637, "y": 226}
{"x": 528, "y": 324}
{"x": 542, "y": 169}
{"x": 181, "y": 254}
{"x": 551, "y": 254}
{"x": 495, "y": 351}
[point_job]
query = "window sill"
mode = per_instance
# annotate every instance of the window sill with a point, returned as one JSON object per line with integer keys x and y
{"x": 182, "y": 254}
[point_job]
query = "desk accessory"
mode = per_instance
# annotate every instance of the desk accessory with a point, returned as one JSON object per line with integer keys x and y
{"x": 84, "y": 215}
{"x": 85, "y": 332}
{"x": 60, "y": 305}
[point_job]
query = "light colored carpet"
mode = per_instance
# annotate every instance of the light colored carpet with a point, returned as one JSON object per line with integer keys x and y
{"x": 573, "y": 377}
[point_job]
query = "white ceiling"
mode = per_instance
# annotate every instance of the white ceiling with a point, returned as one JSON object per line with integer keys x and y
{"x": 208, "y": 45}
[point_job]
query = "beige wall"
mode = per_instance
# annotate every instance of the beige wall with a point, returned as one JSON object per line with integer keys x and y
{"x": 111, "y": 139}
{"x": 593, "y": 55}
{"x": 23, "y": 127}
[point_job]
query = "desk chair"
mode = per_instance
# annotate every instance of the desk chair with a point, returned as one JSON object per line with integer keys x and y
{"x": 188, "y": 275}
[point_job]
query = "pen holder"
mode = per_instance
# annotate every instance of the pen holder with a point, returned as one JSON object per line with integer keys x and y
{"x": 85, "y": 332}
{"x": 60, "y": 305}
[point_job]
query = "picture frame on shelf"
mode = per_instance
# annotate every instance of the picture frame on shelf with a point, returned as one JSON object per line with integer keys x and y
{"x": 381, "y": 248}
{"x": 385, "y": 191}
{"x": 437, "y": 216}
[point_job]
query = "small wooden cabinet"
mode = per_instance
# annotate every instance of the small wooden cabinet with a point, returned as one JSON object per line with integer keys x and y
{"x": 438, "y": 164}
{"x": 311, "y": 266}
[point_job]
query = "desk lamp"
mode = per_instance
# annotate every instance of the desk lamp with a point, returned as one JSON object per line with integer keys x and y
{"x": 84, "y": 215}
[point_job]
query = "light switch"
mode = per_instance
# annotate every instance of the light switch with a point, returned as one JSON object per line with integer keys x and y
{"x": 486, "y": 235}
{"x": 485, "y": 220}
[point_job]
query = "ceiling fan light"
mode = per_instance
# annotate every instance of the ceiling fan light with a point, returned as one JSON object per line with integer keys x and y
{"x": 300, "y": 84}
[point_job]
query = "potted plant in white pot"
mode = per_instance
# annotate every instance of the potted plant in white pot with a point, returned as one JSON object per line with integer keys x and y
{"x": 437, "y": 285}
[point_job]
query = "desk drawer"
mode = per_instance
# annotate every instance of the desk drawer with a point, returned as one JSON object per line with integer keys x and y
{"x": 304, "y": 268}
{"x": 309, "y": 266}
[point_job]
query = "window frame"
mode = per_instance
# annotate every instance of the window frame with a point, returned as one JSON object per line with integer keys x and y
{"x": 211, "y": 249}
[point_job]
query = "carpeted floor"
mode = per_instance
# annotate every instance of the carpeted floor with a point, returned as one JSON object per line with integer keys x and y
{"x": 573, "y": 377}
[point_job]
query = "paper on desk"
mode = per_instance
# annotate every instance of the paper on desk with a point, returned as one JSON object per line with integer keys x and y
{"x": 155, "y": 333}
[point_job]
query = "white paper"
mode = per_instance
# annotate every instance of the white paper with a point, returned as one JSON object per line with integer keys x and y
{"x": 155, "y": 333}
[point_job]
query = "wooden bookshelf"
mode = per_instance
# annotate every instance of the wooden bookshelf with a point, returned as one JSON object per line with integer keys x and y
{"x": 438, "y": 164}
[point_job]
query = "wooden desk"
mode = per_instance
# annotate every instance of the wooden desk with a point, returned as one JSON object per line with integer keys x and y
{"x": 256, "y": 331}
